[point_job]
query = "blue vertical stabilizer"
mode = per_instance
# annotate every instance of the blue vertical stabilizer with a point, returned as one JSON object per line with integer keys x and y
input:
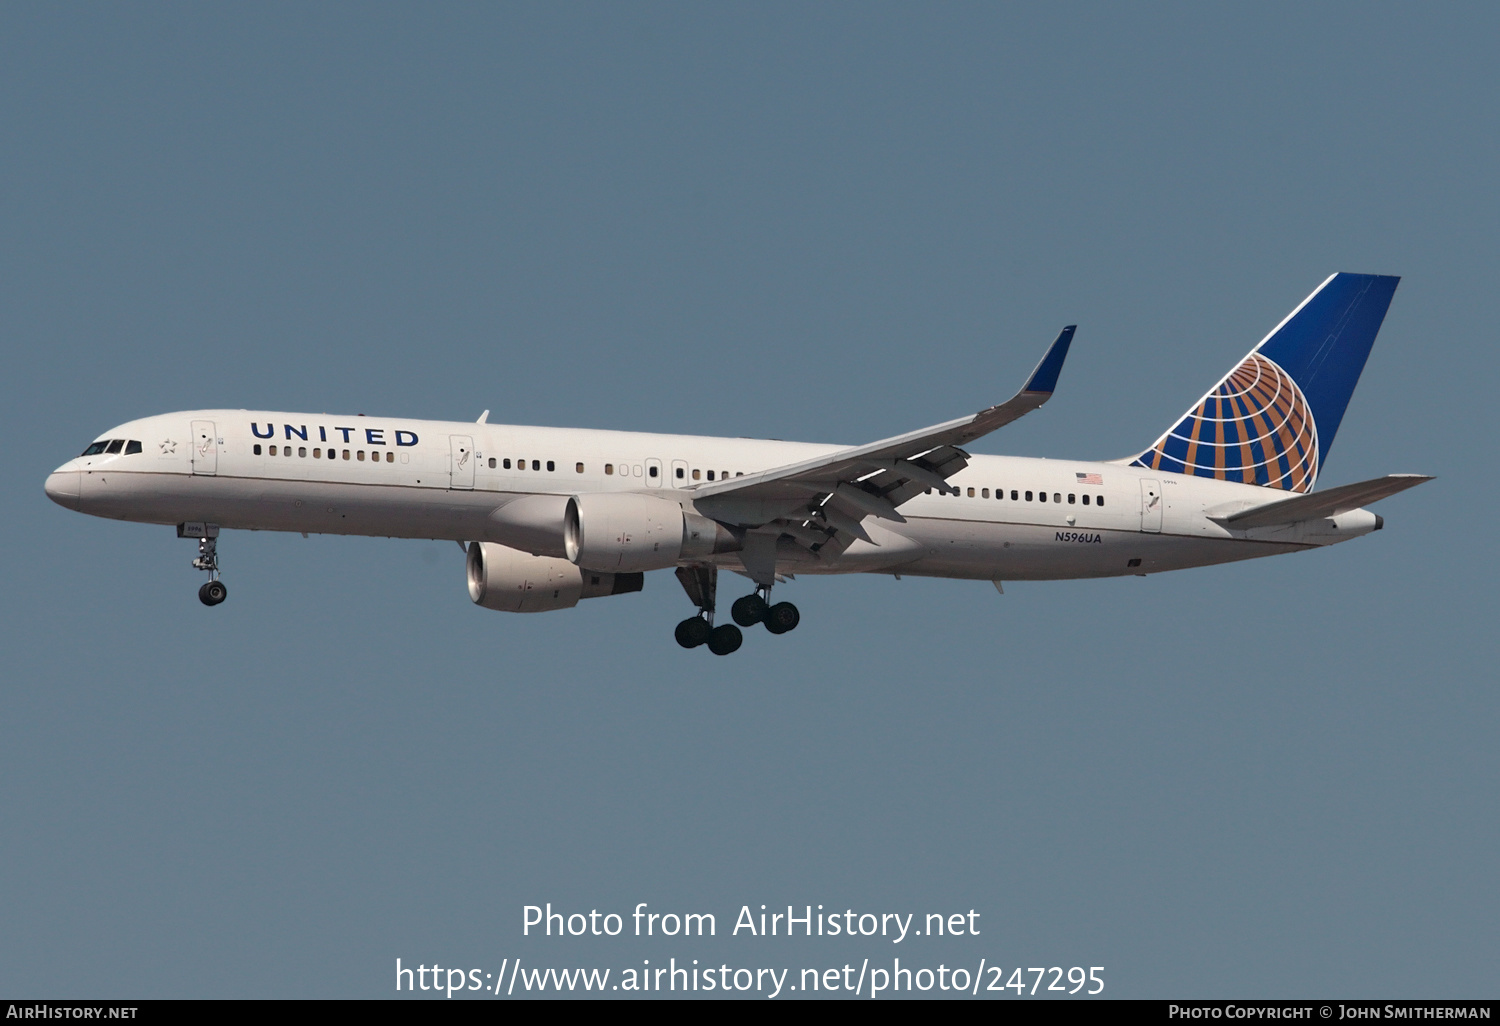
{"x": 1271, "y": 420}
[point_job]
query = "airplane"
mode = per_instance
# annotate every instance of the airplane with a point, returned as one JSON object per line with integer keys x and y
{"x": 550, "y": 516}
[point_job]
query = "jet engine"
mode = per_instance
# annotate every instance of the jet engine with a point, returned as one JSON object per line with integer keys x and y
{"x": 517, "y": 582}
{"x": 622, "y": 532}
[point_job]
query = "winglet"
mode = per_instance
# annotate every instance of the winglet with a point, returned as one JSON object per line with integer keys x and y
{"x": 1037, "y": 390}
{"x": 483, "y": 418}
{"x": 1044, "y": 378}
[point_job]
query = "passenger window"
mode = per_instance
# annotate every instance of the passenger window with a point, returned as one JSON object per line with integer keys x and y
{"x": 302, "y": 451}
{"x": 1013, "y": 495}
{"x": 1085, "y": 500}
{"x": 652, "y": 471}
{"x": 927, "y": 491}
{"x": 710, "y": 475}
{"x": 390, "y": 457}
{"x": 132, "y": 447}
{"x": 94, "y": 449}
{"x": 520, "y": 464}
{"x": 506, "y": 463}
{"x": 1071, "y": 497}
{"x": 346, "y": 452}
{"x": 738, "y": 473}
{"x": 681, "y": 473}
{"x": 984, "y": 494}
{"x": 254, "y": 449}
{"x": 971, "y": 493}
{"x": 609, "y": 468}
{"x": 697, "y": 475}
{"x": 272, "y": 450}
{"x": 1028, "y": 496}
{"x": 551, "y": 465}
{"x": 360, "y": 455}
{"x": 1098, "y": 500}
{"x": 536, "y": 464}
{"x": 1042, "y": 496}
{"x": 1057, "y": 496}
{"x": 115, "y": 446}
{"x": 578, "y": 467}
{"x": 286, "y": 450}
{"x": 492, "y": 463}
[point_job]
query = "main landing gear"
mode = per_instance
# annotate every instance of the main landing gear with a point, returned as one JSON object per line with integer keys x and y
{"x": 701, "y": 585}
{"x": 757, "y": 608}
{"x": 213, "y": 591}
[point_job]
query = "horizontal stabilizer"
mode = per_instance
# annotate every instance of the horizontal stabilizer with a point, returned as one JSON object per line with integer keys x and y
{"x": 1329, "y": 502}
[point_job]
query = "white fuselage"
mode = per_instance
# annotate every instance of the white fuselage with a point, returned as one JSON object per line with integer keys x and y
{"x": 400, "y": 478}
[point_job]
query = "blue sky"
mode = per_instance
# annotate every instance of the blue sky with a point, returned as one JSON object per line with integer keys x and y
{"x": 832, "y": 223}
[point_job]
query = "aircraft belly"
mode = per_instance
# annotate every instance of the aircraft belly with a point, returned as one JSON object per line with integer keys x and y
{"x": 257, "y": 504}
{"x": 983, "y": 550}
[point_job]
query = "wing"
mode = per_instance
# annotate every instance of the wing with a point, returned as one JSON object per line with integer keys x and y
{"x": 1329, "y": 502}
{"x": 824, "y": 500}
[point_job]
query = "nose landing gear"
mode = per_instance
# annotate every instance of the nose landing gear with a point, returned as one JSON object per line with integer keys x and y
{"x": 213, "y": 591}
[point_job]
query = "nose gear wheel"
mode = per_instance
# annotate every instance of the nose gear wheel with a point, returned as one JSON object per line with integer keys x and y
{"x": 213, "y": 592}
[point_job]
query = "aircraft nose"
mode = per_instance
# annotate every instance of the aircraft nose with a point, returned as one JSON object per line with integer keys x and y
{"x": 63, "y": 487}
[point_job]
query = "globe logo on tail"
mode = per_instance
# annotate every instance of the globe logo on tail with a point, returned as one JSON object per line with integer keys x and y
{"x": 1254, "y": 427}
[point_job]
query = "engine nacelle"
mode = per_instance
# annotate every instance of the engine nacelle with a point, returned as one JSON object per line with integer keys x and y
{"x": 626, "y": 531}
{"x": 517, "y": 582}
{"x": 531, "y": 523}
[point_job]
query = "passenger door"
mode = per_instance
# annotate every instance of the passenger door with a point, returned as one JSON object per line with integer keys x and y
{"x": 1151, "y": 505}
{"x": 204, "y": 459}
{"x": 461, "y": 462}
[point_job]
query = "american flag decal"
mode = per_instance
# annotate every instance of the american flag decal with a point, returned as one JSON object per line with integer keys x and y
{"x": 1090, "y": 479}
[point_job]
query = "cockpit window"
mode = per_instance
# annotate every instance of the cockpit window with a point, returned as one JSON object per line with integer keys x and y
{"x": 115, "y": 445}
{"x": 95, "y": 449}
{"x": 132, "y": 447}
